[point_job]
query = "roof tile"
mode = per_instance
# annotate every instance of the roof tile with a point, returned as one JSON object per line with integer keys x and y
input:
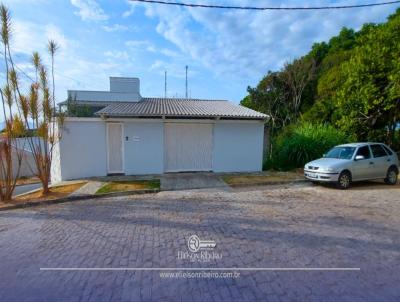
{"x": 180, "y": 107}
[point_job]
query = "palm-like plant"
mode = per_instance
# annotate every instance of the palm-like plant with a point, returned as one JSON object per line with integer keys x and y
{"x": 10, "y": 156}
{"x": 37, "y": 106}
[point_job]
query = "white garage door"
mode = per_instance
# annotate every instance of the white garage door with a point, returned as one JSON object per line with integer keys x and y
{"x": 188, "y": 147}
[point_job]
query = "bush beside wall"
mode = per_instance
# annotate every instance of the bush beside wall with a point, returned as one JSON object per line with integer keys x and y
{"x": 301, "y": 143}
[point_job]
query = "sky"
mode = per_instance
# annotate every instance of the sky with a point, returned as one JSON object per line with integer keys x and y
{"x": 226, "y": 51}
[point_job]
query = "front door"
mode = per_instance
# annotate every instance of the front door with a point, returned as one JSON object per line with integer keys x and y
{"x": 115, "y": 151}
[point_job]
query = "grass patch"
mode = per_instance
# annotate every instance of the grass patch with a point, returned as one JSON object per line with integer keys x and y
{"x": 55, "y": 193}
{"x": 277, "y": 177}
{"x": 123, "y": 186}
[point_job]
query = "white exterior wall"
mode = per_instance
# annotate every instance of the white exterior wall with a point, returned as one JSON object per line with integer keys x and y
{"x": 55, "y": 171}
{"x": 82, "y": 150}
{"x": 144, "y": 149}
{"x": 125, "y": 85}
{"x": 238, "y": 146}
{"x": 22, "y": 147}
{"x": 121, "y": 89}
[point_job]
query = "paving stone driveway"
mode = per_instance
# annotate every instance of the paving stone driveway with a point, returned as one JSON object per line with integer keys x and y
{"x": 186, "y": 181}
{"x": 297, "y": 226}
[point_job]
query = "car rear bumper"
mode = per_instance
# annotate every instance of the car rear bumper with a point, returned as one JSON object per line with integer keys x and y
{"x": 321, "y": 177}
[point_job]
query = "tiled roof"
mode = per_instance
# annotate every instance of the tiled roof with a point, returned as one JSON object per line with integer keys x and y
{"x": 87, "y": 103}
{"x": 179, "y": 108}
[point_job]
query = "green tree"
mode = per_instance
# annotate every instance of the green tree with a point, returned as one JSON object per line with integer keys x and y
{"x": 270, "y": 97}
{"x": 351, "y": 82}
{"x": 368, "y": 101}
{"x": 344, "y": 41}
{"x": 330, "y": 78}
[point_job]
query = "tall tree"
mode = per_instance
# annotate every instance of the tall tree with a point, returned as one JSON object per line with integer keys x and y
{"x": 297, "y": 75}
{"x": 270, "y": 97}
{"x": 368, "y": 100}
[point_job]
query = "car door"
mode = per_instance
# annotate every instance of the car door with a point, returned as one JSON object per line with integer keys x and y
{"x": 392, "y": 158}
{"x": 363, "y": 168}
{"x": 381, "y": 161}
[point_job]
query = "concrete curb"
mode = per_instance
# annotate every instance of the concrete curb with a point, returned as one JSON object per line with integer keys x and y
{"x": 51, "y": 186}
{"x": 134, "y": 192}
{"x": 196, "y": 188}
{"x": 27, "y": 184}
{"x": 127, "y": 193}
{"x": 269, "y": 183}
{"x": 75, "y": 198}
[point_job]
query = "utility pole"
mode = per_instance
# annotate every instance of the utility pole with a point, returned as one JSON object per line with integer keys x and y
{"x": 187, "y": 81}
{"x": 165, "y": 85}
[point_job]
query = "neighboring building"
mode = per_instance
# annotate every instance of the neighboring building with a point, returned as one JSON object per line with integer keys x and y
{"x": 22, "y": 151}
{"x": 124, "y": 133}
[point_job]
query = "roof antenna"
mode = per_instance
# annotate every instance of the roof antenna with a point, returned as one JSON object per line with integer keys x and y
{"x": 187, "y": 81}
{"x": 165, "y": 85}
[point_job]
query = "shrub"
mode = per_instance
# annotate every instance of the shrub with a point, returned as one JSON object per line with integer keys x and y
{"x": 301, "y": 143}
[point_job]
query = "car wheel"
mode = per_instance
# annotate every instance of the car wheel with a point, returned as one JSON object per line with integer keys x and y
{"x": 391, "y": 176}
{"x": 344, "y": 180}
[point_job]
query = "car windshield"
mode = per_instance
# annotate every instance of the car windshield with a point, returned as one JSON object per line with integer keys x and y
{"x": 341, "y": 152}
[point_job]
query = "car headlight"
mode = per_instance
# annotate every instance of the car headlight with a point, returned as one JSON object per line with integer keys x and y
{"x": 327, "y": 170}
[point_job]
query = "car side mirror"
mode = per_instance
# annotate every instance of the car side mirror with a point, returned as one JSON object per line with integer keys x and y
{"x": 359, "y": 157}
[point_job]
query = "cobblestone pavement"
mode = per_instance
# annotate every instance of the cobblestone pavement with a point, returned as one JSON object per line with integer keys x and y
{"x": 275, "y": 226}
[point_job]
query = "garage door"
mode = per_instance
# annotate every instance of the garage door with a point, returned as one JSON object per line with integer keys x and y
{"x": 188, "y": 147}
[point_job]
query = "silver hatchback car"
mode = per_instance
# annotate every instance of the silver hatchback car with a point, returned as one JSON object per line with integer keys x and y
{"x": 353, "y": 162}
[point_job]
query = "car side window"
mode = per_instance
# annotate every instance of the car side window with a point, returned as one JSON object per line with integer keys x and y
{"x": 387, "y": 150}
{"x": 364, "y": 151}
{"x": 378, "y": 151}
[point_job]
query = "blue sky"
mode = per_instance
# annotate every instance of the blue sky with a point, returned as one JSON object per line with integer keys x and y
{"x": 226, "y": 50}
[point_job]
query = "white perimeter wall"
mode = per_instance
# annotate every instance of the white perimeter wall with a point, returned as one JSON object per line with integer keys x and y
{"x": 238, "y": 146}
{"x": 82, "y": 152}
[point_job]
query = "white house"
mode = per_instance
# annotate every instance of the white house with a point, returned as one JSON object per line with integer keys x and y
{"x": 132, "y": 135}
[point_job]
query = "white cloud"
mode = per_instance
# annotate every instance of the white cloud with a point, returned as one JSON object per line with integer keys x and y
{"x": 89, "y": 10}
{"x": 54, "y": 33}
{"x": 28, "y": 37}
{"x": 117, "y": 54}
{"x": 10, "y": 2}
{"x": 170, "y": 53}
{"x": 115, "y": 28}
{"x": 248, "y": 44}
{"x": 174, "y": 69}
{"x": 131, "y": 10}
{"x": 24, "y": 39}
{"x": 138, "y": 45}
{"x": 73, "y": 69}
